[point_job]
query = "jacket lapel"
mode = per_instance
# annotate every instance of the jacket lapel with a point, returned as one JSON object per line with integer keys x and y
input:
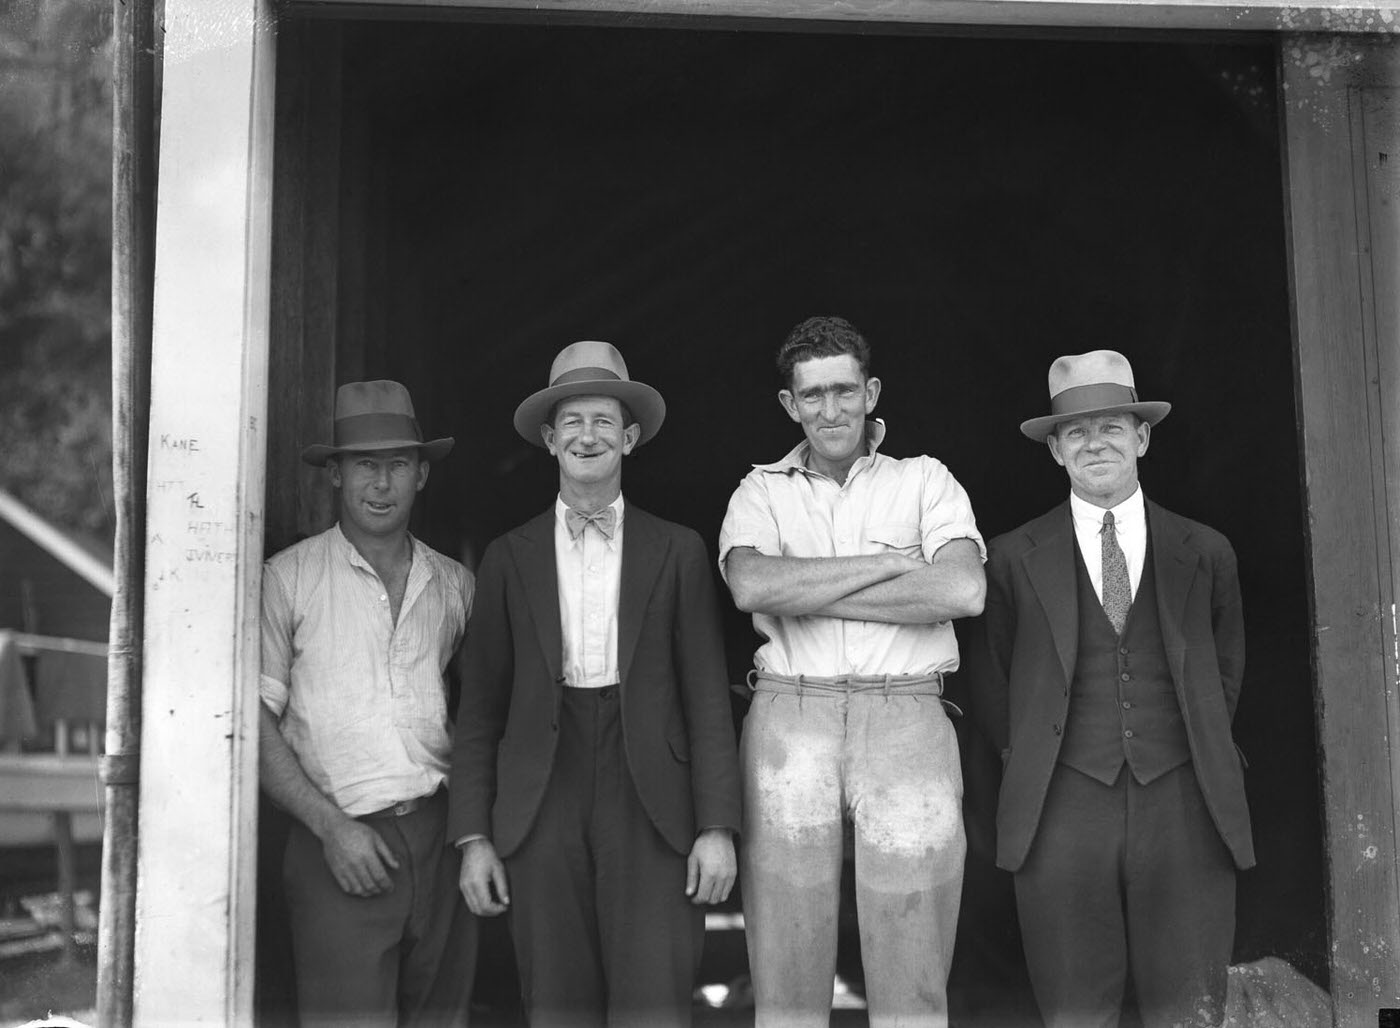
{"x": 539, "y": 574}
{"x": 643, "y": 552}
{"x": 1174, "y": 564}
{"x": 1050, "y": 569}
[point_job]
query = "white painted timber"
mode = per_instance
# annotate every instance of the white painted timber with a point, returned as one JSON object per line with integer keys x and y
{"x": 198, "y": 795}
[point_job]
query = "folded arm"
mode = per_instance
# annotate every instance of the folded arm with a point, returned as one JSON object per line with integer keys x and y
{"x": 794, "y": 586}
{"x": 953, "y": 586}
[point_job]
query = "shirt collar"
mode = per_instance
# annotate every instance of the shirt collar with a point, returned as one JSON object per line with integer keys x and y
{"x": 347, "y": 550}
{"x": 1128, "y": 514}
{"x": 796, "y": 458}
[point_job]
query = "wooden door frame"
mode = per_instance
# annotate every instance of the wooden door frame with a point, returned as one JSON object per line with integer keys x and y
{"x": 215, "y": 266}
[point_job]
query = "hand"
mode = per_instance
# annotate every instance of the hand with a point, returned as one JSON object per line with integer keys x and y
{"x": 359, "y": 858}
{"x": 483, "y": 879}
{"x": 710, "y": 869}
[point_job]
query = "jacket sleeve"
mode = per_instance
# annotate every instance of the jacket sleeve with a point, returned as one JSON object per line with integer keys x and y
{"x": 698, "y": 644}
{"x": 486, "y": 669}
{"x": 992, "y": 639}
{"x": 1227, "y": 623}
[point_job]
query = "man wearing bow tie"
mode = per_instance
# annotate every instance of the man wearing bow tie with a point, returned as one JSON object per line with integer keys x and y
{"x": 594, "y": 788}
{"x": 1108, "y": 671}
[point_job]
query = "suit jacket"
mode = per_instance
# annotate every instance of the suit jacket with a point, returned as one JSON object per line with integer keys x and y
{"x": 1023, "y": 658}
{"x": 676, "y": 720}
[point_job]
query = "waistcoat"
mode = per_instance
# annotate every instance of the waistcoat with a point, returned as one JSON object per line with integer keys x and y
{"x": 1122, "y": 705}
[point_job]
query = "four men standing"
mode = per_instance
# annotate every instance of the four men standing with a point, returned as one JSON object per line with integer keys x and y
{"x": 594, "y": 786}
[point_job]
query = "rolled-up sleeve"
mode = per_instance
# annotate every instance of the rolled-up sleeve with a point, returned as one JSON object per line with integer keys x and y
{"x": 947, "y": 511}
{"x": 275, "y": 681}
{"x": 749, "y": 521}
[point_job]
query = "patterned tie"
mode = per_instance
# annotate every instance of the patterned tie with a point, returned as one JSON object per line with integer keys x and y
{"x": 605, "y": 521}
{"x": 1117, "y": 589}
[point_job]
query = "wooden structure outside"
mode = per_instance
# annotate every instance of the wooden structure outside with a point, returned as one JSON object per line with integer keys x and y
{"x": 209, "y": 510}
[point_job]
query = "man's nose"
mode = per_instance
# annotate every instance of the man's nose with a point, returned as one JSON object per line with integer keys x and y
{"x": 587, "y": 432}
{"x": 381, "y": 477}
{"x": 831, "y": 407}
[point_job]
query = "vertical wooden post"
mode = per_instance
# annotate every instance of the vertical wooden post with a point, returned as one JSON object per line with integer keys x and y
{"x": 1341, "y": 131}
{"x": 194, "y": 923}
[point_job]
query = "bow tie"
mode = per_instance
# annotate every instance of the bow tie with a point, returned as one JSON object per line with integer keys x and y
{"x": 605, "y": 521}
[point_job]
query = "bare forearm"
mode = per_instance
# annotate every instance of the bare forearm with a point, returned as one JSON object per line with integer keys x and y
{"x": 283, "y": 779}
{"x": 794, "y": 586}
{"x": 953, "y": 586}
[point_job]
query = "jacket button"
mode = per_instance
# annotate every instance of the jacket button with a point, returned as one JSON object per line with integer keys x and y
{"x": 1128, "y": 733}
{"x": 1056, "y": 728}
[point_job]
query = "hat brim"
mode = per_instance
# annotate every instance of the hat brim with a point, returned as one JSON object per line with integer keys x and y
{"x": 1151, "y": 411}
{"x": 318, "y": 453}
{"x": 645, "y": 403}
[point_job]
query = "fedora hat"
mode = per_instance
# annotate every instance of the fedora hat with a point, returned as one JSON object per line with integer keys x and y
{"x": 590, "y": 368}
{"x": 374, "y": 416}
{"x": 1098, "y": 382}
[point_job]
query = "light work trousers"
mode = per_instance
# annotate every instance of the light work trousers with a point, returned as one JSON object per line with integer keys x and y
{"x": 884, "y": 756}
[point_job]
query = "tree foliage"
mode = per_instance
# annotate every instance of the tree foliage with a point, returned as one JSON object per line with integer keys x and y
{"x": 55, "y": 259}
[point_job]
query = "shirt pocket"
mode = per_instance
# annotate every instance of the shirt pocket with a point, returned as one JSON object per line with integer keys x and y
{"x": 896, "y": 536}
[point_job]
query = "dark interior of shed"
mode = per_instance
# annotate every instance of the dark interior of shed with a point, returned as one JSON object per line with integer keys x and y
{"x": 977, "y": 206}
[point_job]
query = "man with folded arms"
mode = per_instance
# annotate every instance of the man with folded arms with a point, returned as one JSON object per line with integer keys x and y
{"x": 853, "y": 563}
{"x": 1108, "y": 667}
{"x": 358, "y": 626}
{"x": 594, "y": 781}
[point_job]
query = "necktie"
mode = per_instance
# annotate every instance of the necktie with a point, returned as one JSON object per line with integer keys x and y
{"x": 1117, "y": 589}
{"x": 605, "y": 521}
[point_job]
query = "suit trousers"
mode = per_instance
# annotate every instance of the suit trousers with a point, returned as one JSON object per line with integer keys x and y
{"x": 404, "y": 957}
{"x": 1127, "y": 879}
{"x": 604, "y": 933}
{"x": 811, "y": 759}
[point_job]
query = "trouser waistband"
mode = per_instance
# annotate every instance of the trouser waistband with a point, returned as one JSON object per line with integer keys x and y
{"x": 403, "y": 806}
{"x": 889, "y": 685}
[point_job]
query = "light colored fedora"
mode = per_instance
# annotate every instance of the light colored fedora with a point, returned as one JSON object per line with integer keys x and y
{"x": 1098, "y": 382}
{"x": 590, "y": 368}
{"x": 373, "y": 416}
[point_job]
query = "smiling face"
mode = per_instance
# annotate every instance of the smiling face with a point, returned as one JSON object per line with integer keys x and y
{"x": 831, "y": 399}
{"x": 1100, "y": 453}
{"x": 377, "y": 489}
{"x": 589, "y": 439}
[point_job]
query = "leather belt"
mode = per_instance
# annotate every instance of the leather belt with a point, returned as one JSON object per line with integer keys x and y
{"x": 401, "y": 808}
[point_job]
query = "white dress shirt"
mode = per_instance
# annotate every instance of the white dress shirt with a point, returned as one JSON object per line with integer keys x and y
{"x": 1129, "y": 524}
{"x": 590, "y": 581}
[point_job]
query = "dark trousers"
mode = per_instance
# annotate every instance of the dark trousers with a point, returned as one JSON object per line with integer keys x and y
{"x": 1127, "y": 879}
{"x": 405, "y": 957}
{"x": 604, "y": 933}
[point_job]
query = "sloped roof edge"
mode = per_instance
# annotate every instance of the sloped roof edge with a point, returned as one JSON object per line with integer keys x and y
{"x": 52, "y": 539}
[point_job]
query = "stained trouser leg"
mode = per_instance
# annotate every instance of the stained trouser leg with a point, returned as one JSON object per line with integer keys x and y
{"x": 1069, "y": 898}
{"x": 790, "y": 850}
{"x": 1181, "y": 903}
{"x": 905, "y": 799}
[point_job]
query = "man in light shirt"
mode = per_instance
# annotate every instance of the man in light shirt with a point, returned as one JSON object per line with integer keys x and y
{"x": 594, "y": 780}
{"x": 358, "y": 626}
{"x": 853, "y": 564}
{"x": 1109, "y": 665}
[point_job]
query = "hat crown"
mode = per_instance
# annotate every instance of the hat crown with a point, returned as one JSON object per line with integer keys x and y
{"x": 1097, "y": 367}
{"x": 380, "y": 396}
{"x": 588, "y": 355}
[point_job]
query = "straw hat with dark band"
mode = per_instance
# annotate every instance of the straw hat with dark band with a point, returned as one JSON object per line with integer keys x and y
{"x": 373, "y": 416}
{"x": 590, "y": 368}
{"x": 1086, "y": 384}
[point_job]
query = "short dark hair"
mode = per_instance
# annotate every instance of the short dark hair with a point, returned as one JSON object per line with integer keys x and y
{"x": 822, "y": 336}
{"x": 627, "y": 418}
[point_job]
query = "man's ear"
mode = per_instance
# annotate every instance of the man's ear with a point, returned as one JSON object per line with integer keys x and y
{"x": 789, "y": 403}
{"x": 872, "y": 394}
{"x": 1053, "y": 442}
{"x": 1144, "y": 431}
{"x": 547, "y": 434}
{"x": 631, "y": 435}
{"x": 422, "y": 474}
{"x": 333, "y": 468}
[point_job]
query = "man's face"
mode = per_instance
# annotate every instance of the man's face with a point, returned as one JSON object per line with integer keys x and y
{"x": 1100, "y": 453}
{"x": 831, "y": 399}
{"x": 377, "y": 489}
{"x": 589, "y": 439}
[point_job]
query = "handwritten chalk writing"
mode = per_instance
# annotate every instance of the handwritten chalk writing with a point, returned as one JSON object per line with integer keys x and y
{"x": 207, "y": 527}
{"x": 164, "y": 485}
{"x": 169, "y": 442}
{"x": 207, "y": 556}
{"x": 194, "y": 503}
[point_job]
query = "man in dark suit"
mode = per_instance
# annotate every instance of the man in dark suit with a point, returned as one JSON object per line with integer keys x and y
{"x": 1108, "y": 675}
{"x": 594, "y": 788}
